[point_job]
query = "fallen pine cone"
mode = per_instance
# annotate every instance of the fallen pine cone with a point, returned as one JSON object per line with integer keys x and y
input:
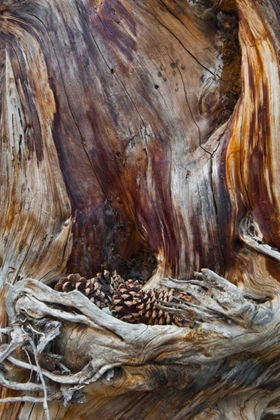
{"x": 126, "y": 299}
{"x": 99, "y": 289}
{"x": 134, "y": 305}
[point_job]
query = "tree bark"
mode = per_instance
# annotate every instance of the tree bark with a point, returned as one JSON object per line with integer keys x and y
{"x": 140, "y": 136}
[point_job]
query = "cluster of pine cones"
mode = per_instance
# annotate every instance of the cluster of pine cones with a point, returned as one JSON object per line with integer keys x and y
{"x": 126, "y": 299}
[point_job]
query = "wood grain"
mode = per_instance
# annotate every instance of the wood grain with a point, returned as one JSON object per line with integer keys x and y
{"x": 142, "y": 136}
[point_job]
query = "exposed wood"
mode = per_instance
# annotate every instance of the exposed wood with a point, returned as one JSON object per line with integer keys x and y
{"x": 142, "y": 136}
{"x": 142, "y": 357}
{"x": 120, "y": 74}
{"x": 35, "y": 212}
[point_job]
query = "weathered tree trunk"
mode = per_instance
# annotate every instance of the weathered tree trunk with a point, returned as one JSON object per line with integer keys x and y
{"x": 140, "y": 136}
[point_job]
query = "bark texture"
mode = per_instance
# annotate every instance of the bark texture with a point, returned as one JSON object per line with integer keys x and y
{"x": 142, "y": 136}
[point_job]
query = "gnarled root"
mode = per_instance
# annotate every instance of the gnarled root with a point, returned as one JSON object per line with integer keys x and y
{"x": 65, "y": 342}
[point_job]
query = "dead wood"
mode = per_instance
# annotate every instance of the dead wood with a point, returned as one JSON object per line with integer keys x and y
{"x": 141, "y": 136}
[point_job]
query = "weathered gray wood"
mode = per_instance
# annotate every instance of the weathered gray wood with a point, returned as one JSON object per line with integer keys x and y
{"x": 125, "y": 357}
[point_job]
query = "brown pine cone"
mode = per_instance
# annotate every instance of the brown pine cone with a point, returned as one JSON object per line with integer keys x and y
{"x": 134, "y": 305}
{"x": 116, "y": 280}
{"x": 71, "y": 282}
{"x": 99, "y": 289}
{"x": 126, "y": 299}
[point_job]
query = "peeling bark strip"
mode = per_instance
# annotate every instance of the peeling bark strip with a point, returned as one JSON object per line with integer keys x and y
{"x": 140, "y": 135}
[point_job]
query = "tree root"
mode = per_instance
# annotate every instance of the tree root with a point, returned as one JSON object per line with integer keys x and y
{"x": 66, "y": 342}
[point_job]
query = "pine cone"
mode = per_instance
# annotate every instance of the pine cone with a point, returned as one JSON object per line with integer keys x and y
{"x": 126, "y": 299}
{"x": 134, "y": 305}
{"x": 97, "y": 289}
{"x": 71, "y": 282}
{"x": 116, "y": 281}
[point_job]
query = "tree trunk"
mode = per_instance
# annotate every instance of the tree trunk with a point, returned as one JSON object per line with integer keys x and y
{"x": 140, "y": 136}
